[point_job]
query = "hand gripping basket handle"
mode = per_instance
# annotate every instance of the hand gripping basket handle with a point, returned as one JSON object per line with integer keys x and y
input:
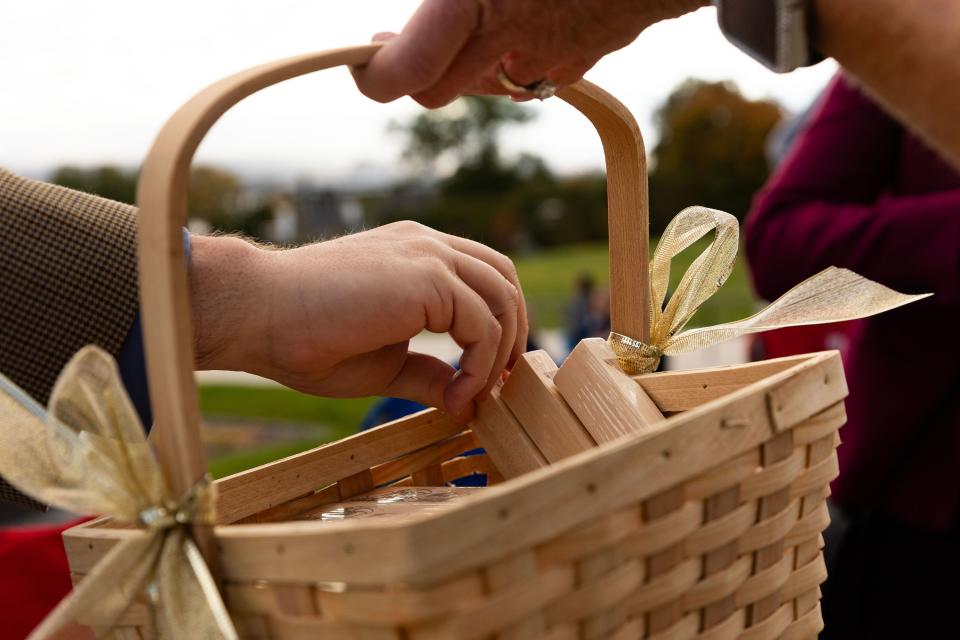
{"x": 162, "y": 198}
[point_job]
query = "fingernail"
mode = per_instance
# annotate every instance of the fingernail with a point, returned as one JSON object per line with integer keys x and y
{"x": 467, "y": 414}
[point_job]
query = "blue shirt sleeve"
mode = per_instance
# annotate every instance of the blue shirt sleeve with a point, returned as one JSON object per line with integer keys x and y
{"x": 132, "y": 362}
{"x": 133, "y": 371}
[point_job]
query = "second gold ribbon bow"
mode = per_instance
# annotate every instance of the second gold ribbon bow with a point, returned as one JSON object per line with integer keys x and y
{"x": 833, "y": 295}
{"x": 88, "y": 454}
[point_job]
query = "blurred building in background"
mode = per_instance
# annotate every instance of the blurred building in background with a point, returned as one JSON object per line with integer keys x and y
{"x": 313, "y": 213}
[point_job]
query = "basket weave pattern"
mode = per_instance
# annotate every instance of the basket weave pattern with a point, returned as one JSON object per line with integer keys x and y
{"x": 756, "y": 566}
{"x": 732, "y": 551}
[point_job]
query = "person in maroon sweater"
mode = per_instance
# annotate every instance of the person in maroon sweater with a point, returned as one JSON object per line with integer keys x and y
{"x": 859, "y": 191}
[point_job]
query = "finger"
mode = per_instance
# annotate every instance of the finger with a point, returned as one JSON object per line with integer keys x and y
{"x": 478, "y": 58}
{"x": 524, "y": 69}
{"x": 423, "y": 379}
{"x": 418, "y": 57}
{"x": 463, "y": 313}
{"x": 502, "y": 299}
{"x": 488, "y": 84}
{"x": 505, "y": 266}
{"x": 482, "y": 252}
{"x": 570, "y": 73}
{"x": 520, "y": 70}
{"x": 383, "y": 36}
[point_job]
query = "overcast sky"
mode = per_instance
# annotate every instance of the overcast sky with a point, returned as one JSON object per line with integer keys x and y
{"x": 92, "y": 82}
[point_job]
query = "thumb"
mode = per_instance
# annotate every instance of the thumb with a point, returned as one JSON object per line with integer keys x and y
{"x": 424, "y": 379}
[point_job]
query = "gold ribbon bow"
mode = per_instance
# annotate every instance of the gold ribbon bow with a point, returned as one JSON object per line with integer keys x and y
{"x": 88, "y": 454}
{"x": 833, "y": 295}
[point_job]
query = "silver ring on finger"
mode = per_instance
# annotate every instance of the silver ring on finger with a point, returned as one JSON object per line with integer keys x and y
{"x": 541, "y": 89}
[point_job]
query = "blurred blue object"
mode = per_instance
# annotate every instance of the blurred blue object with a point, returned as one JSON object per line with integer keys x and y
{"x": 388, "y": 409}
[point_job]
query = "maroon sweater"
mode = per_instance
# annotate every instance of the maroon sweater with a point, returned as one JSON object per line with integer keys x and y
{"x": 858, "y": 191}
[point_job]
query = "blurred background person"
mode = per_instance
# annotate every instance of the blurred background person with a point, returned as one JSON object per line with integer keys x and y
{"x": 859, "y": 191}
{"x": 811, "y": 338}
{"x": 598, "y": 315}
{"x": 578, "y": 311}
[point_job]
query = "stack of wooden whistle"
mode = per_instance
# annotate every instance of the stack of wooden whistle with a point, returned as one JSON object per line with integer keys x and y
{"x": 543, "y": 413}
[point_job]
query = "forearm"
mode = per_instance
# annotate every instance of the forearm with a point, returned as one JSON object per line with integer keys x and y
{"x": 907, "y": 54}
{"x": 227, "y": 303}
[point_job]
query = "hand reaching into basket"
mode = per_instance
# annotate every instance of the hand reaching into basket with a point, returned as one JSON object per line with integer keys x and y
{"x": 335, "y": 318}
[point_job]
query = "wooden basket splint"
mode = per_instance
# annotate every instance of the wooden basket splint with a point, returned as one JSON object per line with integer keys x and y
{"x": 703, "y": 525}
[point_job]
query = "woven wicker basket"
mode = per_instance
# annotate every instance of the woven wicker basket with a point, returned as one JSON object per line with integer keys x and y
{"x": 707, "y": 525}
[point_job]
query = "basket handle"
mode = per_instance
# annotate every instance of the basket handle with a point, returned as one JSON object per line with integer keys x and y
{"x": 162, "y": 198}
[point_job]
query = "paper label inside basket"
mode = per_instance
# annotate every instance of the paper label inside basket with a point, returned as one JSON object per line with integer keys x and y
{"x": 89, "y": 455}
{"x": 833, "y": 295}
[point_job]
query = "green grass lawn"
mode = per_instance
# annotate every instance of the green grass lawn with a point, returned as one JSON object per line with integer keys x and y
{"x": 547, "y": 279}
{"x": 228, "y": 465}
{"x": 548, "y": 282}
{"x": 323, "y": 420}
{"x": 277, "y": 404}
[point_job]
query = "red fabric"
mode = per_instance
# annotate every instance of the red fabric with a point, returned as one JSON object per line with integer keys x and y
{"x": 859, "y": 191}
{"x": 797, "y": 340}
{"x": 34, "y": 577}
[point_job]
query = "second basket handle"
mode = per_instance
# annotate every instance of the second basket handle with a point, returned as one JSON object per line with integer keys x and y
{"x": 162, "y": 198}
{"x": 628, "y": 218}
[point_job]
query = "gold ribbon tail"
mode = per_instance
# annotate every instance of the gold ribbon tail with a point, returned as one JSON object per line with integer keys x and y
{"x": 833, "y": 295}
{"x": 106, "y": 593}
{"x": 88, "y": 454}
{"x": 189, "y": 598}
{"x": 218, "y": 610}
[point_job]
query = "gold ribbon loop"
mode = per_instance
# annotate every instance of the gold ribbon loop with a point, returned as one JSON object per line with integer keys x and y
{"x": 89, "y": 455}
{"x": 833, "y": 295}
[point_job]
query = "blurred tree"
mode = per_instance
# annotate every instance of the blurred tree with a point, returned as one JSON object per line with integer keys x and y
{"x": 214, "y": 196}
{"x": 253, "y": 222}
{"x": 710, "y": 151}
{"x": 507, "y": 204}
{"x": 106, "y": 181}
{"x": 466, "y": 130}
{"x": 564, "y": 211}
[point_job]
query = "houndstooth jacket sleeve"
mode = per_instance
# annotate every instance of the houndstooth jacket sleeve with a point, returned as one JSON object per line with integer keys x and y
{"x": 68, "y": 278}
